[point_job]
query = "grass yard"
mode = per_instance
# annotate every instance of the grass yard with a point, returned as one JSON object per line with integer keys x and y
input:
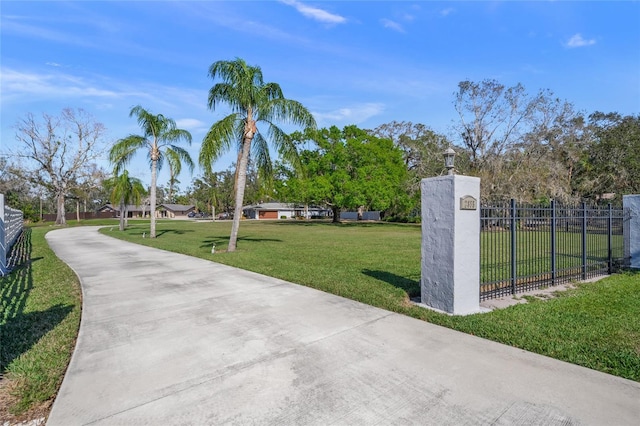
{"x": 596, "y": 325}
{"x": 41, "y": 307}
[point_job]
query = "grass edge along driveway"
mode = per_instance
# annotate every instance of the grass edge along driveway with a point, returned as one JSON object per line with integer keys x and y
{"x": 41, "y": 309}
{"x": 596, "y": 325}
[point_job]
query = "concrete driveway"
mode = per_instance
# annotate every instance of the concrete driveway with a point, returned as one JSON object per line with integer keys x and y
{"x": 168, "y": 339}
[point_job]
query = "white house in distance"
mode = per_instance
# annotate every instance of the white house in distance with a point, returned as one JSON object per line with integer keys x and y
{"x": 283, "y": 211}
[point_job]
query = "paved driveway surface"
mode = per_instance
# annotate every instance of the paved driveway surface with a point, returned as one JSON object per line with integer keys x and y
{"x": 168, "y": 339}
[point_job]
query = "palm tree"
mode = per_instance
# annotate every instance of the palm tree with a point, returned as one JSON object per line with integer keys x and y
{"x": 175, "y": 167}
{"x": 160, "y": 136}
{"x": 125, "y": 190}
{"x": 252, "y": 101}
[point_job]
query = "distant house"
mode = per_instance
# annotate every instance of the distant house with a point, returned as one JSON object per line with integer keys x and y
{"x": 132, "y": 210}
{"x": 162, "y": 211}
{"x": 174, "y": 210}
{"x": 283, "y": 211}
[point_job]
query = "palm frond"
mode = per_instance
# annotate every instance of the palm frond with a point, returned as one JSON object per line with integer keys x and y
{"x": 176, "y": 156}
{"x": 285, "y": 146}
{"x": 124, "y": 150}
{"x": 173, "y": 135}
{"x": 287, "y": 111}
{"x": 219, "y": 139}
{"x": 261, "y": 157}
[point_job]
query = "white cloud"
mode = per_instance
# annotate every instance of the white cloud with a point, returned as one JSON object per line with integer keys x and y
{"x": 578, "y": 41}
{"x": 17, "y": 84}
{"x": 12, "y": 27}
{"x": 354, "y": 114}
{"x": 315, "y": 13}
{"x": 190, "y": 124}
{"x": 24, "y": 87}
{"x": 387, "y": 23}
{"x": 446, "y": 12}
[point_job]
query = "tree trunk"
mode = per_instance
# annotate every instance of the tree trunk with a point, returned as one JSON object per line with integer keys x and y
{"x": 152, "y": 198}
{"x": 235, "y": 178}
{"x": 60, "y": 216}
{"x": 123, "y": 214}
{"x": 241, "y": 173}
{"x": 77, "y": 210}
{"x": 336, "y": 214}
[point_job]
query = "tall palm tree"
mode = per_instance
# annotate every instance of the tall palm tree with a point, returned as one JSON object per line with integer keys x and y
{"x": 125, "y": 190}
{"x": 252, "y": 101}
{"x": 159, "y": 138}
{"x": 175, "y": 167}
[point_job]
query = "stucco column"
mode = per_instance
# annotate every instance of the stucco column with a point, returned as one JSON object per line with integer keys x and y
{"x": 632, "y": 230}
{"x": 451, "y": 244}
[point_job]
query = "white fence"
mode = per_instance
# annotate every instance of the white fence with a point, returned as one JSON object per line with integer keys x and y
{"x": 11, "y": 224}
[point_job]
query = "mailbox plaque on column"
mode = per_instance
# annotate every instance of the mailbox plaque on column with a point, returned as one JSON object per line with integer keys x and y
{"x": 468, "y": 203}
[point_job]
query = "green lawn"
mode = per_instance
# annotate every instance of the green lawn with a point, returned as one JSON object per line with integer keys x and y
{"x": 597, "y": 325}
{"x": 41, "y": 305}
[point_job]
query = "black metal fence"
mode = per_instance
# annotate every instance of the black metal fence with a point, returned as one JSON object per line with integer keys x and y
{"x": 525, "y": 247}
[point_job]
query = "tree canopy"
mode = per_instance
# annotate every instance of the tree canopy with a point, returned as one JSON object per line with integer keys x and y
{"x": 348, "y": 169}
{"x": 58, "y": 153}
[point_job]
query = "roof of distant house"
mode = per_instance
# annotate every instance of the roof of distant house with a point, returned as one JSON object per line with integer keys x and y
{"x": 128, "y": 207}
{"x": 177, "y": 207}
{"x": 134, "y": 208}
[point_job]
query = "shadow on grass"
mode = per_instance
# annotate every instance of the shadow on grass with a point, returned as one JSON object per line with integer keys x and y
{"x": 20, "y": 329}
{"x": 411, "y": 287}
{"x": 343, "y": 224}
{"x": 172, "y": 231}
{"x": 225, "y": 240}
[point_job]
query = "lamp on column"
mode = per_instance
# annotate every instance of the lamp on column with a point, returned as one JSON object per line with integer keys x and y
{"x": 449, "y": 155}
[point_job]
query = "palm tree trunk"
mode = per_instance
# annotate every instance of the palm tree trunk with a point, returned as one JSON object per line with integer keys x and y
{"x": 241, "y": 173}
{"x": 152, "y": 198}
{"x": 123, "y": 213}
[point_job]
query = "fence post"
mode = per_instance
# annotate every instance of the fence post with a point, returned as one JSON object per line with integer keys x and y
{"x": 584, "y": 240}
{"x": 632, "y": 231}
{"x": 553, "y": 242}
{"x": 512, "y": 228}
{"x": 610, "y": 241}
{"x": 451, "y": 244}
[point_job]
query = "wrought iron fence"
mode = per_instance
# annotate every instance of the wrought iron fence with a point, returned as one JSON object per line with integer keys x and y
{"x": 525, "y": 247}
{"x": 11, "y": 225}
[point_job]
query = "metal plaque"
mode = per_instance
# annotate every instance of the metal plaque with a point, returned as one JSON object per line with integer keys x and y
{"x": 468, "y": 203}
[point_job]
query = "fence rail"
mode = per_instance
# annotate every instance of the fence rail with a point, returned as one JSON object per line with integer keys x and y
{"x": 525, "y": 247}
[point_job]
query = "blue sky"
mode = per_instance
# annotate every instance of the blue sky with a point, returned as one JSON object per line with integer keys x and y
{"x": 349, "y": 62}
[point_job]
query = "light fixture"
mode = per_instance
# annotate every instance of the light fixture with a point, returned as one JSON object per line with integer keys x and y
{"x": 449, "y": 155}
